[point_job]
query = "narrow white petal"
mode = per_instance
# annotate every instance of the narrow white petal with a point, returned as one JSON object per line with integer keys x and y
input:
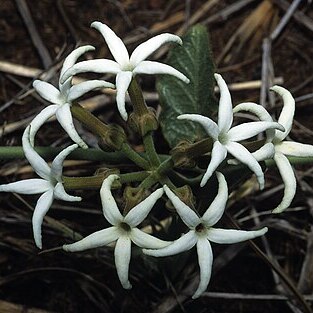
{"x": 205, "y": 259}
{"x": 60, "y": 194}
{"x": 40, "y": 119}
{"x": 122, "y": 254}
{"x": 36, "y": 161}
{"x": 251, "y": 129}
{"x": 289, "y": 180}
{"x": 189, "y": 217}
{"x": 244, "y": 156}
{"x": 265, "y": 152}
{"x": 296, "y": 149}
{"x": 109, "y": 206}
{"x": 218, "y": 155}
{"x": 209, "y": 125}
{"x": 96, "y": 66}
{"x": 151, "y": 45}
{"x": 71, "y": 59}
{"x": 123, "y": 80}
{"x": 287, "y": 113}
{"x": 42, "y": 207}
{"x": 98, "y": 239}
{"x": 225, "y": 108}
{"x": 84, "y": 87}
{"x": 138, "y": 213}
{"x": 184, "y": 243}
{"x": 48, "y": 92}
{"x": 114, "y": 43}
{"x": 260, "y": 112}
{"x": 145, "y": 240}
{"x": 217, "y": 207}
{"x": 64, "y": 116}
{"x": 57, "y": 163}
{"x": 27, "y": 186}
{"x": 151, "y": 67}
{"x": 222, "y": 236}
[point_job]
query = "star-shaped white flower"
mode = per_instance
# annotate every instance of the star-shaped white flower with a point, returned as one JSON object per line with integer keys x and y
{"x": 124, "y": 230}
{"x": 226, "y": 138}
{"x": 201, "y": 233}
{"x": 50, "y": 183}
{"x": 63, "y": 98}
{"x": 277, "y": 147}
{"x": 126, "y": 67}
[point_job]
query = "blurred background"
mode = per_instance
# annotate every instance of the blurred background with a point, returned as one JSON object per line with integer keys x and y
{"x": 255, "y": 44}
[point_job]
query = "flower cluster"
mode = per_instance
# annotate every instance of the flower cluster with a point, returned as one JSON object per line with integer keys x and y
{"x": 125, "y": 224}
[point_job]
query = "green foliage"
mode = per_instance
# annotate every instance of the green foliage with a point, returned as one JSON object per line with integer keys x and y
{"x": 194, "y": 59}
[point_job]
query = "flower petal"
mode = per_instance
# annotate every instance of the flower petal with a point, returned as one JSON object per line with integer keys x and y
{"x": 244, "y": 156}
{"x": 97, "y": 239}
{"x": 151, "y": 45}
{"x": 225, "y": 108}
{"x": 251, "y": 129}
{"x": 95, "y": 66}
{"x": 123, "y": 80}
{"x": 57, "y": 163}
{"x": 222, "y": 236}
{"x": 289, "y": 180}
{"x": 184, "y": 243}
{"x": 40, "y": 119}
{"x": 80, "y": 89}
{"x": 60, "y": 194}
{"x": 145, "y": 240}
{"x": 296, "y": 149}
{"x": 205, "y": 259}
{"x": 72, "y": 58}
{"x": 151, "y": 67}
{"x": 209, "y": 126}
{"x": 122, "y": 254}
{"x": 36, "y": 161}
{"x": 48, "y": 92}
{"x": 218, "y": 155}
{"x": 64, "y": 116}
{"x": 215, "y": 211}
{"x": 189, "y": 217}
{"x": 114, "y": 43}
{"x": 260, "y": 112}
{"x": 265, "y": 152}
{"x": 42, "y": 207}
{"x": 287, "y": 113}
{"x": 138, "y": 213}
{"x": 109, "y": 206}
{"x": 27, "y": 186}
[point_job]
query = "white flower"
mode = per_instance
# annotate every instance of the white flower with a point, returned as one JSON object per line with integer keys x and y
{"x": 201, "y": 232}
{"x": 50, "y": 184}
{"x": 124, "y": 230}
{"x": 277, "y": 147}
{"x": 226, "y": 138}
{"x": 63, "y": 98}
{"x": 126, "y": 67}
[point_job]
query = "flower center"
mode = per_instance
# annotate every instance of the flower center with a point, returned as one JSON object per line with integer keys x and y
{"x": 125, "y": 227}
{"x": 200, "y": 228}
{"x": 223, "y": 138}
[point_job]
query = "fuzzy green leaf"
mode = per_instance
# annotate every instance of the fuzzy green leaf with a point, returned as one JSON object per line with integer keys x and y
{"x": 194, "y": 59}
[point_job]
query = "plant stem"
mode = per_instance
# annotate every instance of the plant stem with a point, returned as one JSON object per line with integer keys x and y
{"x": 135, "y": 157}
{"x": 150, "y": 149}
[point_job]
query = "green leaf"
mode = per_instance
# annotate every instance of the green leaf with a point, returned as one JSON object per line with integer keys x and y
{"x": 194, "y": 59}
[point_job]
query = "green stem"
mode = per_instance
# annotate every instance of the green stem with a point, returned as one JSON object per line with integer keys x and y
{"x": 137, "y": 99}
{"x": 150, "y": 149}
{"x": 135, "y": 157}
{"x": 95, "y": 182}
{"x": 90, "y": 121}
